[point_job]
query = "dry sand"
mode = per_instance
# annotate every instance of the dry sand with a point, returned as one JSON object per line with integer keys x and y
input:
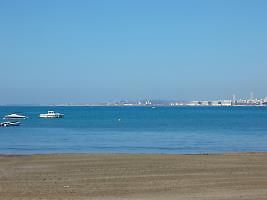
{"x": 118, "y": 176}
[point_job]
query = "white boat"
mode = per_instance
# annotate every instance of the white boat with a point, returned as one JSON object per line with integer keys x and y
{"x": 15, "y": 116}
{"x": 52, "y": 114}
{"x": 6, "y": 124}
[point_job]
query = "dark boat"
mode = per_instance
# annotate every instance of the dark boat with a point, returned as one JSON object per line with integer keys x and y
{"x": 6, "y": 124}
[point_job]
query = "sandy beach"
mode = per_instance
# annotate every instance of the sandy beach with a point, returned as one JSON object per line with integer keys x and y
{"x": 119, "y": 176}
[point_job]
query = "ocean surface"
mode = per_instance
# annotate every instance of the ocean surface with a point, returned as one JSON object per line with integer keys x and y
{"x": 136, "y": 130}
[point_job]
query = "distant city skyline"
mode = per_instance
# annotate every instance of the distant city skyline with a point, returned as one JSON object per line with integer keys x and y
{"x": 101, "y": 51}
{"x": 250, "y": 100}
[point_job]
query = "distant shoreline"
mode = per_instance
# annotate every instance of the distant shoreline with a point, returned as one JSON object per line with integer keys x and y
{"x": 131, "y": 106}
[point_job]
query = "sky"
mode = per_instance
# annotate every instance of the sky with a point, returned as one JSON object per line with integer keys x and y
{"x": 77, "y": 51}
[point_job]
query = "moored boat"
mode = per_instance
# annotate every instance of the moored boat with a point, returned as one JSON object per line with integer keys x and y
{"x": 6, "y": 124}
{"x": 14, "y": 116}
{"x": 52, "y": 114}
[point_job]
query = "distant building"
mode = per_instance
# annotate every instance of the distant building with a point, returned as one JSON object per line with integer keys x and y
{"x": 216, "y": 103}
{"x": 226, "y": 103}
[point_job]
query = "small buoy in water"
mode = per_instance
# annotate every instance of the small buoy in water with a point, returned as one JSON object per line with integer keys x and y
{"x": 119, "y": 119}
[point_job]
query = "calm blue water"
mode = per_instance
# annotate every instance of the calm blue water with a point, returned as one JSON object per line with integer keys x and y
{"x": 140, "y": 130}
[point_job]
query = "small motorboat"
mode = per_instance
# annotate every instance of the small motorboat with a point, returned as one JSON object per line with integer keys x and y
{"x": 6, "y": 124}
{"x": 15, "y": 116}
{"x": 52, "y": 114}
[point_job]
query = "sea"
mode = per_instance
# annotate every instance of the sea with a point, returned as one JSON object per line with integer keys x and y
{"x": 162, "y": 130}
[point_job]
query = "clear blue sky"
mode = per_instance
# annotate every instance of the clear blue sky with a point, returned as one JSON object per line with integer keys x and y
{"x": 56, "y": 51}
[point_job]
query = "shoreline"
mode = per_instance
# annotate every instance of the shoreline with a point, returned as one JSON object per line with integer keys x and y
{"x": 134, "y": 154}
{"x": 240, "y": 176}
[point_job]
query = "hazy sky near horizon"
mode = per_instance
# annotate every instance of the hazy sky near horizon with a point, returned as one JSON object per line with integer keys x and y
{"x": 57, "y": 51}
